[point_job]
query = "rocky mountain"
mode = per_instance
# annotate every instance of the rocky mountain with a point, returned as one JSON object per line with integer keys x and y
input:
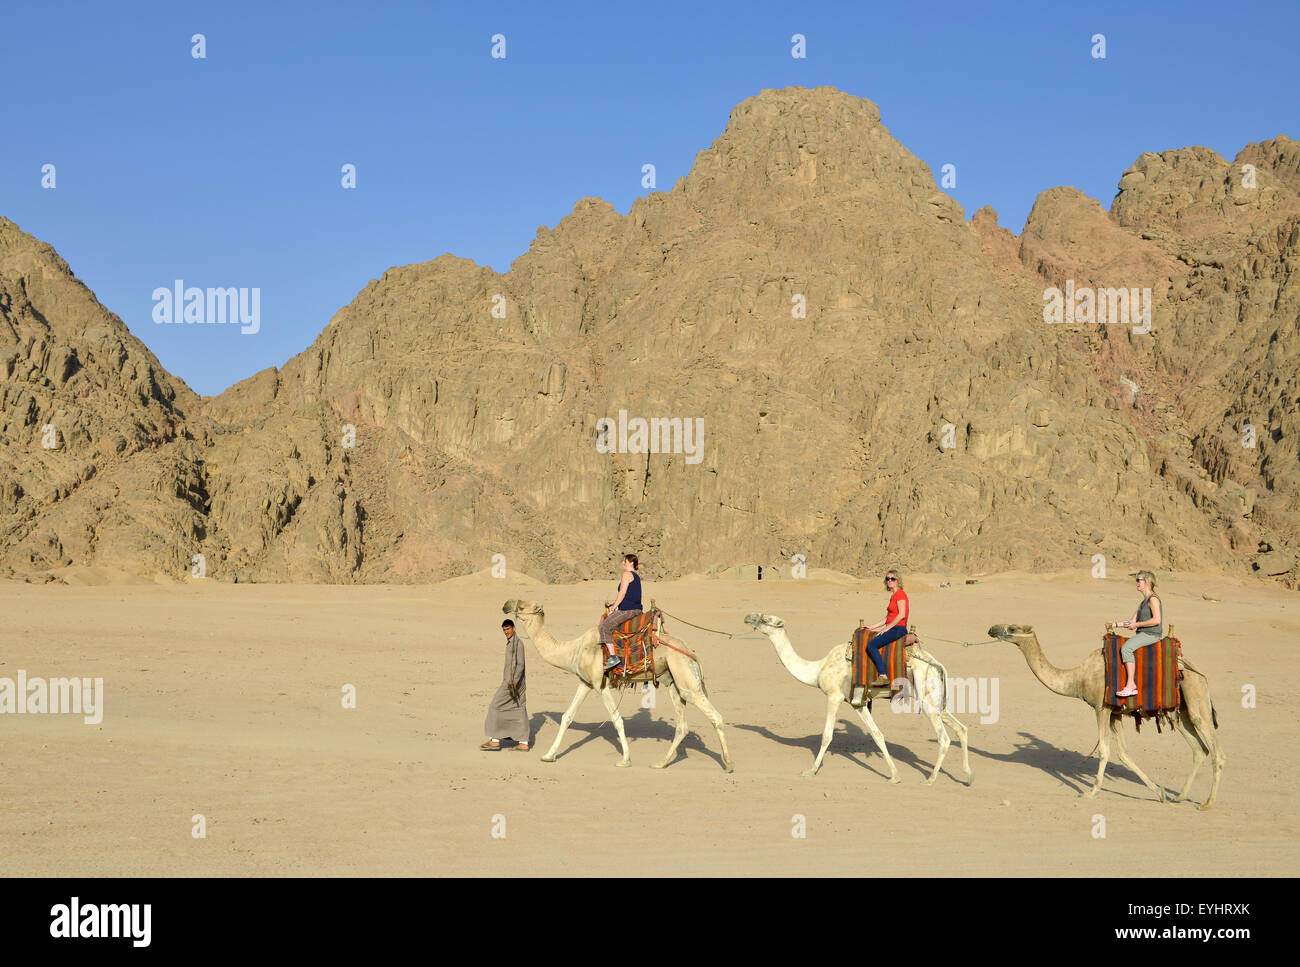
{"x": 865, "y": 375}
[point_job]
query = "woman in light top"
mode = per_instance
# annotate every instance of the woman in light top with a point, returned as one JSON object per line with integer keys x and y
{"x": 1147, "y": 625}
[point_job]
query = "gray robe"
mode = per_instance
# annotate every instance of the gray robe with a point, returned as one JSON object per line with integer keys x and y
{"x": 506, "y": 718}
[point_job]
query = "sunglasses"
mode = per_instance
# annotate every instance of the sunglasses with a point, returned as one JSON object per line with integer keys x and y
{"x": 891, "y": 579}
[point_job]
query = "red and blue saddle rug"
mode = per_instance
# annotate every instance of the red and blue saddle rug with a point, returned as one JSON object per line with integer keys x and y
{"x": 1156, "y": 672}
{"x": 634, "y": 641}
{"x": 864, "y": 670}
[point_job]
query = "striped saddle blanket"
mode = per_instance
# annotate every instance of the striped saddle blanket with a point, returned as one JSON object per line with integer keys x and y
{"x": 635, "y": 641}
{"x": 864, "y": 670}
{"x": 1156, "y": 672}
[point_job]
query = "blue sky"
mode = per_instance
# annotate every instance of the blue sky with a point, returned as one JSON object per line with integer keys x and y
{"x": 225, "y": 171}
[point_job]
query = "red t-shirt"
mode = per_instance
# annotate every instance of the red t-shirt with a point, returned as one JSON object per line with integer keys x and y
{"x": 895, "y": 603}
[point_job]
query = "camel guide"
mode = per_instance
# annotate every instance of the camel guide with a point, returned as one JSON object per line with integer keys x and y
{"x": 507, "y": 716}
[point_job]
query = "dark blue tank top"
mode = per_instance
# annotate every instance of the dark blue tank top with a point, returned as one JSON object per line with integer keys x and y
{"x": 632, "y": 599}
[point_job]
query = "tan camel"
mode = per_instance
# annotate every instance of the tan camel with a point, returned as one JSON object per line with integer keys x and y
{"x": 833, "y": 676}
{"x": 1196, "y": 718}
{"x": 582, "y": 656}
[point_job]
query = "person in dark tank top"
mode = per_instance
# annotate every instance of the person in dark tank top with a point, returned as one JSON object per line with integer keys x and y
{"x": 626, "y": 603}
{"x": 1147, "y": 625}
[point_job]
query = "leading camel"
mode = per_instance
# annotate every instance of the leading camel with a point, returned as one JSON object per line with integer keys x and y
{"x": 832, "y": 676}
{"x": 1196, "y": 718}
{"x": 582, "y": 656}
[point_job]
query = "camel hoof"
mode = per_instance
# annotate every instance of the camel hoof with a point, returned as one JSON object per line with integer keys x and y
{"x": 930, "y": 781}
{"x": 970, "y": 779}
{"x": 1204, "y": 806}
{"x": 659, "y": 765}
{"x": 894, "y": 780}
{"x": 548, "y": 758}
{"x": 623, "y": 763}
{"x": 1090, "y": 794}
{"x": 728, "y": 768}
{"x": 808, "y": 773}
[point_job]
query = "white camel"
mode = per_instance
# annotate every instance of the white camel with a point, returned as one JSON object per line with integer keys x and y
{"x": 927, "y": 677}
{"x": 582, "y": 656}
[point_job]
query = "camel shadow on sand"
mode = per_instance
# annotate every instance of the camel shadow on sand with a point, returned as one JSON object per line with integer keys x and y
{"x": 1067, "y": 765}
{"x": 639, "y": 725}
{"x": 850, "y": 740}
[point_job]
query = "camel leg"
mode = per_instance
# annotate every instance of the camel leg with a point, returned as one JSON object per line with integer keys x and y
{"x": 930, "y": 674}
{"x": 611, "y": 706}
{"x": 701, "y": 701}
{"x": 583, "y": 690}
{"x": 1198, "y": 753}
{"x": 877, "y": 735}
{"x": 1117, "y": 733}
{"x": 679, "y": 708}
{"x": 941, "y": 734}
{"x": 689, "y": 678}
{"x": 1103, "y": 750}
{"x": 959, "y": 727}
{"x": 1204, "y": 728}
{"x": 828, "y": 731}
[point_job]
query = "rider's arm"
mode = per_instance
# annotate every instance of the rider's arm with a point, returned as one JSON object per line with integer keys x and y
{"x": 622, "y": 589}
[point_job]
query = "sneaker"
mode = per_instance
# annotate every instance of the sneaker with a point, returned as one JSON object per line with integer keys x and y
{"x": 613, "y": 661}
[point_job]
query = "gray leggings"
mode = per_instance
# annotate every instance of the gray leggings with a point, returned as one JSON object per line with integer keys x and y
{"x": 1139, "y": 639}
{"x": 615, "y": 619}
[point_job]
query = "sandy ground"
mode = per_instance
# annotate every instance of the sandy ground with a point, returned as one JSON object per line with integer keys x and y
{"x": 225, "y": 701}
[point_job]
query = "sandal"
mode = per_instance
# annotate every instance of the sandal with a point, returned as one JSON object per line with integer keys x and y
{"x": 1127, "y": 693}
{"x": 521, "y": 747}
{"x": 492, "y": 745}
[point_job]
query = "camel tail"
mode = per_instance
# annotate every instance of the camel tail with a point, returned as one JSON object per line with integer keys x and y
{"x": 1214, "y": 715}
{"x": 699, "y": 676}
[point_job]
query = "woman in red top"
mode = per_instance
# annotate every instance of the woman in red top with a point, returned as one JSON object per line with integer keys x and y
{"x": 895, "y": 624}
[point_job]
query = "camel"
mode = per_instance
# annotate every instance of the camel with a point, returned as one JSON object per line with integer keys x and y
{"x": 582, "y": 656}
{"x": 833, "y": 676}
{"x": 1196, "y": 718}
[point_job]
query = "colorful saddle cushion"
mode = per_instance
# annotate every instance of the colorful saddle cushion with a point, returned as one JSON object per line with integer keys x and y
{"x": 634, "y": 642}
{"x": 864, "y": 671}
{"x": 1156, "y": 675}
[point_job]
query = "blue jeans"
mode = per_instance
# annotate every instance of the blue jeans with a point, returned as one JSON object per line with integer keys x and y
{"x": 875, "y": 645}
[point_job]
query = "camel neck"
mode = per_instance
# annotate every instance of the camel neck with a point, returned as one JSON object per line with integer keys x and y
{"x": 561, "y": 654}
{"x": 806, "y": 671}
{"x": 1056, "y": 679}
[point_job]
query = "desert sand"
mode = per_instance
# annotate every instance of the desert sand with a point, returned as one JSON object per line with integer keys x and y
{"x": 225, "y": 701}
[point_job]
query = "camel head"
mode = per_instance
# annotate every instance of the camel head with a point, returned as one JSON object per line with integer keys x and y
{"x": 763, "y": 622}
{"x": 1011, "y": 632}
{"x": 519, "y": 606}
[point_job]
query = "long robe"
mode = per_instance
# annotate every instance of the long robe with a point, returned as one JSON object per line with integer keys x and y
{"x": 506, "y": 718}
